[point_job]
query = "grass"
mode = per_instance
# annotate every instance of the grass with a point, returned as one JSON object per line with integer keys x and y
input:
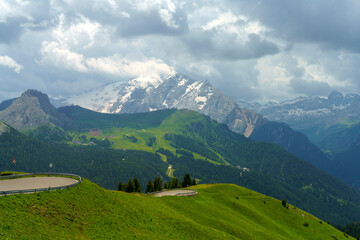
{"x": 173, "y": 122}
{"x": 220, "y": 211}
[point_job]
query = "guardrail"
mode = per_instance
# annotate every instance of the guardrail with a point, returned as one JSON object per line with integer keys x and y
{"x": 39, "y": 189}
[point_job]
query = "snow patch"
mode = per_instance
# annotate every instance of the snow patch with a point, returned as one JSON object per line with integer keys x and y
{"x": 182, "y": 82}
{"x": 340, "y": 107}
{"x": 99, "y": 100}
{"x": 195, "y": 86}
{"x": 201, "y": 101}
{"x": 146, "y": 82}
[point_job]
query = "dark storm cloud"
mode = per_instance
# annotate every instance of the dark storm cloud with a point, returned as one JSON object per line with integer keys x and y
{"x": 333, "y": 23}
{"x": 38, "y": 17}
{"x": 205, "y": 45}
{"x": 127, "y": 19}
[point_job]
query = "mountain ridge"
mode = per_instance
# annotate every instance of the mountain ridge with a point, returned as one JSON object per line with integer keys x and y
{"x": 180, "y": 91}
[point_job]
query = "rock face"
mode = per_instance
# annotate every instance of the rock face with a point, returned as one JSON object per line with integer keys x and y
{"x": 32, "y": 109}
{"x": 243, "y": 121}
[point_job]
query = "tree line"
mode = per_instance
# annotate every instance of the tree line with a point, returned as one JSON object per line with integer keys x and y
{"x": 133, "y": 185}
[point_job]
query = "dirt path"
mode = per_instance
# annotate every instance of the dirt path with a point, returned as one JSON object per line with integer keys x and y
{"x": 181, "y": 192}
{"x": 35, "y": 182}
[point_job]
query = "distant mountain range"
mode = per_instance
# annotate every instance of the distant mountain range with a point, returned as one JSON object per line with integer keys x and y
{"x": 332, "y": 122}
{"x": 170, "y": 142}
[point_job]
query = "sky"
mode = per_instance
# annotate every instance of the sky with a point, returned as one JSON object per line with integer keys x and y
{"x": 271, "y": 50}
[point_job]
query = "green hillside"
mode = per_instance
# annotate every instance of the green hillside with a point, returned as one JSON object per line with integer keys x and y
{"x": 174, "y": 142}
{"x": 220, "y": 211}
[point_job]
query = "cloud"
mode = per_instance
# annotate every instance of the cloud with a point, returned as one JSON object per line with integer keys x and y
{"x": 10, "y": 30}
{"x": 329, "y": 23}
{"x": 18, "y": 16}
{"x": 55, "y": 54}
{"x": 227, "y": 46}
{"x": 7, "y": 61}
{"x": 125, "y": 67}
{"x": 256, "y": 50}
{"x": 59, "y": 56}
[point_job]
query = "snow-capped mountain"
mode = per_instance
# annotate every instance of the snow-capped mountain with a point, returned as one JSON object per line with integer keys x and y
{"x": 153, "y": 93}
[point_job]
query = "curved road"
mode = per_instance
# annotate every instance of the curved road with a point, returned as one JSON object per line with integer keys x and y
{"x": 35, "y": 183}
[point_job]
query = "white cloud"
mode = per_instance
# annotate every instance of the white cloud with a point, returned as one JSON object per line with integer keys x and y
{"x": 165, "y": 8}
{"x": 81, "y": 33}
{"x": 223, "y": 19}
{"x": 124, "y": 67}
{"x": 13, "y": 9}
{"x": 60, "y": 56}
{"x": 53, "y": 53}
{"x": 7, "y": 61}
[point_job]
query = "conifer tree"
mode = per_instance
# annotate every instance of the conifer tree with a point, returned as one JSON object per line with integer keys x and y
{"x": 157, "y": 184}
{"x": 186, "y": 180}
{"x": 174, "y": 182}
{"x": 137, "y": 186}
{"x": 121, "y": 186}
{"x": 193, "y": 181}
{"x": 149, "y": 187}
{"x": 130, "y": 186}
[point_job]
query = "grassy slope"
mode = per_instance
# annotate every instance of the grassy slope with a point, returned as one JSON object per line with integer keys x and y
{"x": 273, "y": 171}
{"x": 117, "y": 128}
{"x": 220, "y": 211}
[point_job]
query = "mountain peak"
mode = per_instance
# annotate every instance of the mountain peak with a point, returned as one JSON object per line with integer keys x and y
{"x": 31, "y": 109}
{"x": 336, "y": 97}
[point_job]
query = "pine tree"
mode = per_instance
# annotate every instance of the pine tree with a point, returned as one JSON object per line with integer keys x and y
{"x": 121, "y": 186}
{"x": 165, "y": 185}
{"x": 174, "y": 182}
{"x": 137, "y": 186}
{"x": 130, "y": 186}
{"x": 149, "y": 187}
{"x": 157, "y": 184}
{"x": 186, "y": 180}
{"x": 193, "y": 181}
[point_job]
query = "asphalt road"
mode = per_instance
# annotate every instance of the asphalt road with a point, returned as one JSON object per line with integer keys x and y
{"x": 35, "y": 182}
